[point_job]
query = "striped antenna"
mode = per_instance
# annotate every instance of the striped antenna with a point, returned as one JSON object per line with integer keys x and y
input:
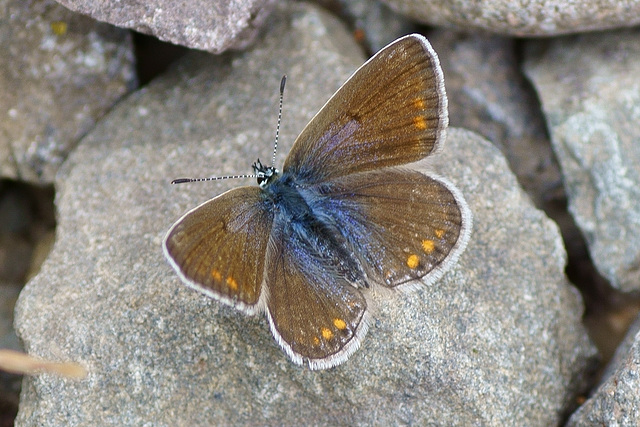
{"x": 258, "y": 167}
{"x": 213, "y": 178}
{"x": 275, "y": 144}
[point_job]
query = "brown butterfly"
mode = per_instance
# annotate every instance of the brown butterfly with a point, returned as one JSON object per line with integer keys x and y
{"x": 341, "y": 216}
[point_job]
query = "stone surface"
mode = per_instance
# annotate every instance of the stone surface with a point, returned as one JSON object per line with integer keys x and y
{"x": 379, "y": 24}
{"x": 489, "y": 95}
{"x": 617, "y": 399}
{"x": 523, "y": 18}
{"x": 214, "y": 26}
{"x": 497, "y": 341}
{"x": 61, "y": 72}
{"x": 624, "y": 349}
{"x": 591, "y": 99}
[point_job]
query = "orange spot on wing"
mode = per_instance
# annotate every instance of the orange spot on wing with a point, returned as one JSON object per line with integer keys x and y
{"x": 428, "y": 245}
{"x": 215, "y": 275}
{"x": 413, "y": 261}
{"x": 326, "y": 333}
{"x": 232, "y": 283}
{"x": 420, "y": 122}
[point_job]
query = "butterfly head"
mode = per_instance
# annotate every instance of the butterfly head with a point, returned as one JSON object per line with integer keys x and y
{"x": 264, "y": 174}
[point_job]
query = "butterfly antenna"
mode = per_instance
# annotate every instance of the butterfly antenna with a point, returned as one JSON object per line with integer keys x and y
{"x": 213, "y": 178}
{"x": 275, "y": 144}
{"x": 258, "y": 167}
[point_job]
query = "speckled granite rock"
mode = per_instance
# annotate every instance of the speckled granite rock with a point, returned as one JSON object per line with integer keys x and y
{"x": 523, "y": 18}
{"x": 591, "y": 98}
{"x": 214, "y": 26}
{"x": 498, "y": 340}
{"x": 617, "y": 399}
{"x": 380, "y": 25}
{"x": 61, "y": 73}
{"x": 489, "y": 95}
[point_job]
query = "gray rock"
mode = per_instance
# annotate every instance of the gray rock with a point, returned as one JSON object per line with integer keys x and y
{"x": 497, "y": 341}
{"x": 489, "y": 95}
{"x": 214, "y": 26}
{"x": 523, "y": 18}
{"x": 623, "y": 350}
{"x": 616, "y": 401}
{"x": 590, "y": 94}
{"x": 379, "y": 24}
{"x": 61, "y": 72}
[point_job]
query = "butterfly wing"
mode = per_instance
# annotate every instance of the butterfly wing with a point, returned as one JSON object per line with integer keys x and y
{"x": 219, "y": 247}
{"x": 403, "y": 225}
{"x": 380, "y": 118}
{"x": 316, "y": 316}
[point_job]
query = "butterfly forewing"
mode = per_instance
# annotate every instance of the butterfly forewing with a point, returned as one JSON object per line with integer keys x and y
{"x": 219, "y": 247}
{"x": 392, "y": 111}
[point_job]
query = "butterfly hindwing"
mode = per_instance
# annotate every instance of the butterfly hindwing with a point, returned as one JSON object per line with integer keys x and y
{"x": 219, "y": 247}
{"x": 391, "y": 111}
{"x": 316, "y": 315}
{"x": 403, "y": 225}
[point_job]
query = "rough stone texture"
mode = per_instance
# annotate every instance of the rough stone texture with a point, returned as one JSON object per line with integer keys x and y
{"x": 489, "y": 95}
{"x": 590, "y": 95}
{"x": 214, "y": 26}
{"x": 497, "y": 341}
{"x": 60, "y": 72}
{"x": 523, "y": 17}
{"x": 617, "y": 400}
{"x": 379, "y": 24}
{"x": 623, "y": 350}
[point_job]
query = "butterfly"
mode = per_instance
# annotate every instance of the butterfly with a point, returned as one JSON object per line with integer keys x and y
{"x": 345, "y": 214}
